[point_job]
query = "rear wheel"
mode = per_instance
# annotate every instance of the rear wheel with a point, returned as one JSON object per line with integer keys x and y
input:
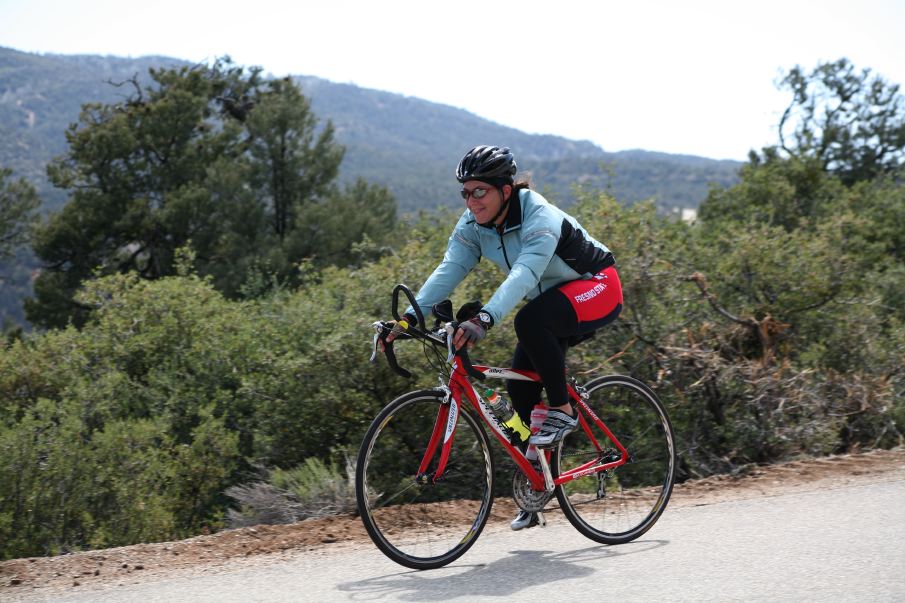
{"x": 423, "y": 524}
{"x": 620, "y": 504}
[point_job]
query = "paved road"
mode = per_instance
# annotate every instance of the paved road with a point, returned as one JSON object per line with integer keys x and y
{"x": 835, "y": 545}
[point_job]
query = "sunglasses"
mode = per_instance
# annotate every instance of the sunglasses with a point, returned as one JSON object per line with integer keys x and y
{"x": 476, "y": 192}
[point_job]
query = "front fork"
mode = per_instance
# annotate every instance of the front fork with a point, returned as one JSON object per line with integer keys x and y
{"x": 444, "y": 429}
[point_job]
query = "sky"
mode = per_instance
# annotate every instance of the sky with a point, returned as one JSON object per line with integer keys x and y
{"x": 683, "y": 76}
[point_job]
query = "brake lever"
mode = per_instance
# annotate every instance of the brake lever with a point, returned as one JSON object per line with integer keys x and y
{"x": 451, "y": 351}
{"x": 463, "y": 353}
{"x": 381, "y": 334}
{"x": 377, "y": 327}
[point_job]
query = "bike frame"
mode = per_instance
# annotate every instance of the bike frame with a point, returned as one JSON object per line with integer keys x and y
{"x": 460, "y": 387}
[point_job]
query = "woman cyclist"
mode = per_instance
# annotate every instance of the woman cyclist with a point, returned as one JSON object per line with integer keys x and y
{"x": 569, "y": 277}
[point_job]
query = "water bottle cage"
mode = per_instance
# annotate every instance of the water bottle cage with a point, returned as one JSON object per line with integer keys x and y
{"x": 512, "y": 435}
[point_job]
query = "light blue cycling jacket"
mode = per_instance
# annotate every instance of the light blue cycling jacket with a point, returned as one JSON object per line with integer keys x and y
{"x": 540, "y": 247}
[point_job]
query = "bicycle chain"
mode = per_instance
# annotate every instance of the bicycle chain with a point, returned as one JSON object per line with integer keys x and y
{"x": 609, "y": 453}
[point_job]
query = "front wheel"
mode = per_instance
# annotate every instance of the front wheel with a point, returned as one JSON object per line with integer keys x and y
{"x": 620, "y": 504}
{"x": 423, "y": 523}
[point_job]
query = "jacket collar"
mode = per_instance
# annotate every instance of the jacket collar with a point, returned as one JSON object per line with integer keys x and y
{"x": 513, "y": 220}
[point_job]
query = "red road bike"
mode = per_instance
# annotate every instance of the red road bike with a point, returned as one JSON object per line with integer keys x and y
{"x": 425, "y": 472}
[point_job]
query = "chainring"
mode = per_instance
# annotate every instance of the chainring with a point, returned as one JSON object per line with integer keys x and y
{"x": 527, "y": 498}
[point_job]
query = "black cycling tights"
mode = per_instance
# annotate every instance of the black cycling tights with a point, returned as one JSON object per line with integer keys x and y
{"x": 544, "y": 326}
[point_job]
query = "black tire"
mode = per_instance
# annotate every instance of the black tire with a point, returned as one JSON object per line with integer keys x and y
{"x": 405, "y": 518}
{"x": 621, "y": 504}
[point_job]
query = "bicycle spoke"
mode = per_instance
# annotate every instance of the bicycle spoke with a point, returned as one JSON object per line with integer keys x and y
{"x": 387, "y": 501}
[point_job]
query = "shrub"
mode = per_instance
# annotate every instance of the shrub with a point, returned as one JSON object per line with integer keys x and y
{"x": 313, "y": 489}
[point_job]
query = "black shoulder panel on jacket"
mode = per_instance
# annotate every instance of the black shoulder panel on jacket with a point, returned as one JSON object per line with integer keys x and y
{"x": 580, "y": 254}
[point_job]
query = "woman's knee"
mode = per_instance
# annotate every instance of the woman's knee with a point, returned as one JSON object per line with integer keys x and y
{"x": 527, "y": 320}
{"x": 524, "y": 395}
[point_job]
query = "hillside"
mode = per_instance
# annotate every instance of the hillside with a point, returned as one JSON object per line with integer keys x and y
{"x": 407, "y": 144}
{"x": 412, "y": 146}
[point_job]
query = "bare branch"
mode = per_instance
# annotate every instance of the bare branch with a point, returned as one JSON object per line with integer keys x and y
{"x": 138, "y": 98}
{"x": 701, "y": 281}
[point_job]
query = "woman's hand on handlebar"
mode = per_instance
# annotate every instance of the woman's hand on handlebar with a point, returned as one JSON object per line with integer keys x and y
{"x": 469, "y": 333}
{"x": 396, "y": 328}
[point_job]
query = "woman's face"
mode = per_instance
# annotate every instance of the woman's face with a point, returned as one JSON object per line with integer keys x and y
{"x": 484, "y": 200}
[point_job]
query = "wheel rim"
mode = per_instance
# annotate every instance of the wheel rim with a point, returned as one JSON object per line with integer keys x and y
{"x": 418, "y": 524}
{"x": 622, "y": 503}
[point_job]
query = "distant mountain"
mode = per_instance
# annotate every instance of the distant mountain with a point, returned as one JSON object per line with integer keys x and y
{"x": 407, "y": 144}
{"x": 412, "y": 146}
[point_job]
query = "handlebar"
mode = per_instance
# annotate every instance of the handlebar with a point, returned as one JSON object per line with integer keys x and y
{"x": 469, "y": 367}
{"x": 420, "y": 332}
{"x": 400, "y": 288}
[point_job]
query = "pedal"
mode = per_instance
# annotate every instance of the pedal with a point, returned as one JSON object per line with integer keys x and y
{"x": 541, "y": 520}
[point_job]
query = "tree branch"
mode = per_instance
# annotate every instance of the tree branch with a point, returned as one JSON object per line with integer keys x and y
{"x": 701, "y": 281}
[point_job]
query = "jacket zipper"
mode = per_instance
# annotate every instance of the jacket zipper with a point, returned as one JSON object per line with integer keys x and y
{"x": 505, "y": 255}
{"x": 509, "y": 265}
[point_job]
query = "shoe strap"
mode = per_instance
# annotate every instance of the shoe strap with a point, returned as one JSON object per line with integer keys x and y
{"x": 556, "y": 420}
